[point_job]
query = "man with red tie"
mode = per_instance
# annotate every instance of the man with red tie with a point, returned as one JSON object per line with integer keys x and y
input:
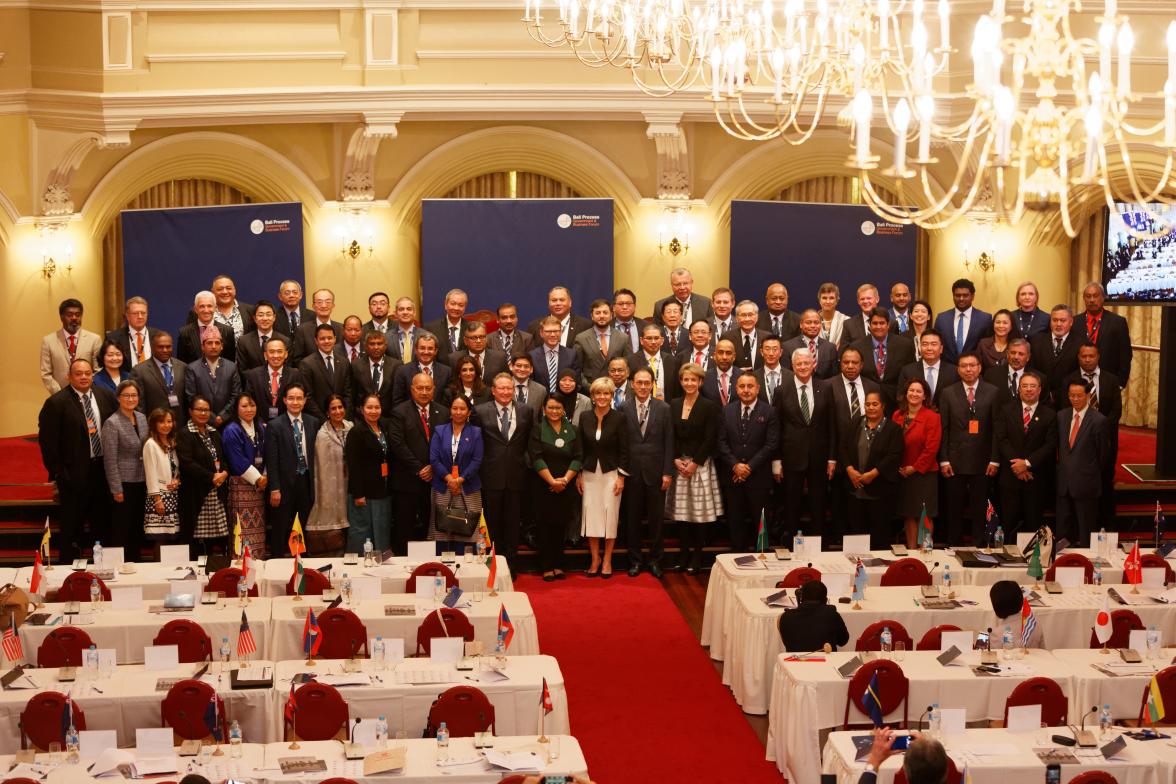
{"x": 1026, "y": 439}
{"x": 60, "y": 348}
{"x": 410, "y": 426}
{"x": 698, "y": 349}
{"x": 719, "y": 383}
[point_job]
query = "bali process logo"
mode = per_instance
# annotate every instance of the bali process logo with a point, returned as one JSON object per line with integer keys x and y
{"x": 881, "y": 228}
{"x": 269, "y": 226}
{"x": 565, "y": 221}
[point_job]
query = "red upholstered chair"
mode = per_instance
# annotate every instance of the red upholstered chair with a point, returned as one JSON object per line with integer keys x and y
{"x": 344, "y": 635}
{"x": 465, "y": 711}
{"x": 341, "y": 780}
{"x": 1157, "y": 561}
{"x": 906, "y": 571}
{"x": 799, "y": 576}
{"x": 1044, "y": 692}
{"x": 430, "y": 569}
{"x": 933, "y": 639}
{"x": 63, "y": 647}
{"x": 953, "y": 773}
{"x": 224, "y": 581}
{"x": 1166, "y": 679}
{"x": 1094, "y": 777}
{"x": 455, "y": 625}
{"x": 76, "y": 588}
{"x": 41, "y": 720}
{"x": 1123, "y": 622}
{"x": 516, "y": 778}
{"x": 193, "y": 642}
{"x": 893, "y": 689}
{"x": 1072, "y": 559}
{"x": 316, "y": 583}
{"x": 23, "y": 780}
{"x": 184, "y": 707}
{"x": 871, "y": 639}
{"x": 321, "y": 714}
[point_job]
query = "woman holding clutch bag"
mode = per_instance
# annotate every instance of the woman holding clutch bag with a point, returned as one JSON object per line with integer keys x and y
{"x": 455, "y": 452}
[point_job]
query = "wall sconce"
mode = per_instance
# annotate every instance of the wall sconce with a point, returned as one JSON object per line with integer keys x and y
{"x": 986, "y": 261}
{"x": 676, "y": 225}
{"x": 56, "y": 249}
{"x": 355, "y": 233}
{"x": 983, "y": 220}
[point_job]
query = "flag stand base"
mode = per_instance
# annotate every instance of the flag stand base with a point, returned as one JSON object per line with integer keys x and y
{"x": 294, "y": 746}
{"x": 1135, "y": 588}
{"x": 1104, "y": 650}
{"x": 310, "y": 661}
{"x": 297, "y": 597}
{"x": 492, "y": 593}
{"x": 857, "y": 606}
{"x": 218, "y": 752}
{"x": 763, "y": 557}
{"x": 544, "y": 739}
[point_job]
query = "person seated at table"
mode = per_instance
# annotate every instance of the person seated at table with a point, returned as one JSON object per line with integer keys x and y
{"x": 1007, "y": 600}
{"x": 813, "y": 623}
{"x": 925, "y": 761}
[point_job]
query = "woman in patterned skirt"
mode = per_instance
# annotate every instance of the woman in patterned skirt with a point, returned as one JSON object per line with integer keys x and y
{"x": 693, "y": 499}
{"x": 161, "y": 466}
{"x": 326, "y": 529}
{"x": 205, "y": 476}
{"x": 244, "y": 442}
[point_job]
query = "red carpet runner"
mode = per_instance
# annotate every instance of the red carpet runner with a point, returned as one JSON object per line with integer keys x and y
{"x": 645, "y": 701}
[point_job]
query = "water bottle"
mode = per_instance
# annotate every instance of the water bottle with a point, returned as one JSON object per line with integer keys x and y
{"x": 242, "y": 592}
{"x": 382, "y": 732}
{"x": 1097, "y": 577}
{"x": 934, "y": 720}
{"x": 367, "y": 553}
{"x": 480, "y": 542}
{"x": 378, "y": 652}
{"x": 947, "y": 578}
{"x": 442, "y": 743}
{"x": 1100, "y": 543}
{"x": 1006, "y": 641}
{"x": 887, "y": 640}
{"x": 438, "y": 588}
{"x": 97, "y": 555}
{"x": 345, "y": 589}
{"x": 90, "y": 661}
{"x": 998, "y": 538}
{"x": 95, "y": 592}
{"x": 928, "y": 545}
{"x": 798, "y": 543}
{"x": 225, "y": 653}
{"x": 72, "y": 743}
{"x": 1106, "y": 724}
{"x": 235, "y": 740}
{"x": 1153, "y": 642}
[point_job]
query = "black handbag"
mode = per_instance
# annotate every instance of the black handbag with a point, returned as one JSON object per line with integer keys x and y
{"x": 460, "y": 522}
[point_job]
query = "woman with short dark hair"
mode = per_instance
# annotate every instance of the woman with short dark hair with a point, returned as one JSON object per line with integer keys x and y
{"x": 123, "y": 434}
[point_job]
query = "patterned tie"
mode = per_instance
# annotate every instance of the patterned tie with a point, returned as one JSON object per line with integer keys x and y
{"x": 274, "y": 387}
{"x": 627, "y": 326}
{"x": 92, "y": 427}
{"x": 377, "y": 376}
{"x": 724, "y": 390}
{"x": 805, "y": 411}
{"x": 1028, "y": 415}
{"x": 1013, "y": 383}
{"x": 745, "y": 421}
{"x": 424, "y": 411}
{"x": 960, "y": 333}
{"x": 504, "y": 422}
{"x": 603, "y": 343}
{"x": 168, "y": 379}
{"x": 813, "y": 347}
{"x": 880, "y": 359}
{"x": 1074, "y": 428}
{"x": 902, "y": 323}
{"x": 73, "y": 347}
{"x": 776, "y": 326}
{"x": 674, "y": 340}
{"x": 521, "y": 393}
{"x": 427, "y": 370}
{"x": 354, "y": 353}
{"x": 773, "y": 382}
{"x": 618, "y": 400}
{"x": 552, "y": 369}
{"x": 643, "y": 417}
{"x": 971, "y": 397}
{"x": 653, "y": 370}
{"x": 139, "y": 347}
{"x": 1057, "y": 346}
{"x": 1093, "y": 390}
{"x": 453, "y": 338}
{"x": 855, "y": 403}
{"x": 298, "y": 451}
{"x": 295, "y": 317}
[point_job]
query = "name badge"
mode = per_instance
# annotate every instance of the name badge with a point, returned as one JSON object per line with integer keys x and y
{"x": 384, "y": 470}
{"x": 273, "y": 412}
{"x": 173, "y": 400}
{"x": 559, "y": 442}
{"x": 91, "y": 428}
{"x": 258, "y": 460}
{"x": 974, "y": 426}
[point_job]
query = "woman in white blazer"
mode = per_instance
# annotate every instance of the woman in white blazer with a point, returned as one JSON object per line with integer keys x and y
{"x": 161, "y": 466}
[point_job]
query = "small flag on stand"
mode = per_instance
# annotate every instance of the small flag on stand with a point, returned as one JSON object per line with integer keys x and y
{"x": 296, "y": 542}
{"x": 245, "y": 642}
{"x": 506, "y": 629}
{"x": 13, "y": 650}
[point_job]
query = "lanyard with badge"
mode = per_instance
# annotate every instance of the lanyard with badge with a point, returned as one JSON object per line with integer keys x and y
{"x": 383, "y": 450}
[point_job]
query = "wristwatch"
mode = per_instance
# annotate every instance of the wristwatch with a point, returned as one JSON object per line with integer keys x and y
{"x": 870, "y": 769}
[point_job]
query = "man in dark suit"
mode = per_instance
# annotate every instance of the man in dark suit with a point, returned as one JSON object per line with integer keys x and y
{"x": 618, "y": 373}
{"x": 1108, "y": 331}
{"x": 374, "y": 373}
{"x": 823, "y": 352}
{"x": 900, "y": 309}
{"x": 134, "y": 338}
{"x": 808, "y": 443}
{"x": 719, "y": 382}
{"x": 1006, "y": 376}
{"x": 673, "y": 329}
{"x": 932, "y": 367}
{"x": 962, "y": 327}
{"x": 508, "y": 338}
{"x": 491, "y": 361}
{"x": 69, "y": 431}
{"x": 746, "y": 336}
{"x": 410, "y": 427}
{"x": 426, "y": 353}
{"x": 306, "y": 336}
{"x": 966, "y": 456}
{"x": 324, "y": 373}
{"x": 651, "y": 469}
{"x": 748, "y": 436}
{"x": 291, "y": 314}
{"x": 700, "y": 346}
{"x": 189, "y": 345}
{"x": 1026, "y": 436}
{"x": 771, "y": 376}
{"x": 723, "y": 305}
{"x": 884, "y": 355}
{"x": 526, "y": 391}
{"x": 162, "y": 380}
{"x": 691, "y": 306}
{"x": 1106, "y": 397}
{"x": 289, "y": 467}
{"x": 662, "y": 365}
{"x": 624, "y": 308}
{"x": 506, "y": 430}
{"x": 251, "y": 345}
{"x": 1055, "y": 353}
{"x": 450, "y": 329}
{"x": 351, "y": 346}
{"x": 776, "y": 317}
{"x": 858, "y": 326}
{"x": 596, "y": 347}
{"x": 379, "y": 306}
{"x": 559, "y": 306}
{"x": 267, "y": 384}
{"x": 1082, "y": 459}
{"x": 551, "y": 356}
{"x": 402, "y": 337}
{"x": 215, "y": 379}
{"x": 848, "y": 389}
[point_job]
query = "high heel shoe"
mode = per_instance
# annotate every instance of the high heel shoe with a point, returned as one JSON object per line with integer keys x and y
{"x": 590, "y": 573}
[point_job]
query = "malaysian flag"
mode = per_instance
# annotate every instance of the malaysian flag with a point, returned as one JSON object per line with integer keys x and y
{"x": 12, "y": 647}
{"x": 245, "y": 642}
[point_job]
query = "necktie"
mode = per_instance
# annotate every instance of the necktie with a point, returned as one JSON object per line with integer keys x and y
{"x": 168, "y": 379}
{"x": 724, "y": 390}
{"x": 627, "y": 327}
{"x": 427, "y": 370}
{"x": 383, "y": 328}
{"x": 1074, "y": 428}
{"x": 971, "y": 397}
{"x": 552, "y": 369}
{"x": 855, "y": 403}
{"x": 618, "y": 400}
{"x": 643, "y": 417}
{"x": 377, "y": 377}
{"x": 773, "y": 382}
{"x": 603, "y": 344}
{"x": 960, "y": 333}
{"x": 747, "y": 347}
{"x": 354, "y": 352}
{"x": 453, "y": 338}
{"x": 504, "y": 422}
{"x": 73, "y": 347}
{"x": 805, "y": 411}
{"x": 880, "y": 359}
{"x": 674, "y": 340}
{"x": 931, "y": 379}
{"x": 745, "y": 420}
{"x": 813, "y": 347}
{"x": 902, "y": 323}
{"x": 1014, "y": 378}
{"x": 261, "y": 339}
{"x": 139, "y": 347}
{"x": 92, "y": 427}
{"x": 653, "y": 369}
{"x": 698, "y": 357}
{"x": 1093, "y": 389}
{"x": 274, "y": 386}
{"x": 1027, "y": 416}
{"x": 330, "y": 365}
{"x": 776, "y": 326}
{"x": 722, "y": 327}
{"x": 405, "y": 348}
{"x": 295, "y": 316}
{"x": 425, "y": 421}
{"x": 298, "y": 451}
{"x": 521, "y": 393}
{"x": 1057, "y": 346}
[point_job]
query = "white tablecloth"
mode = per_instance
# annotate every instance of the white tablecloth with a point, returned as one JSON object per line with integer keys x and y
{"x": 1140, "y": 763}
{"x": 471, "y": 576}
{"x": 1124, "y": 693}
{"x": 287, "y": 627}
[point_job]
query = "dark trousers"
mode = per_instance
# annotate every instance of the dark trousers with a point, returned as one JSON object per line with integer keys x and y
{"x": 553, "y": 511}
{"x": 502, "y": 510}
{"x": 1106, "y": 501}
{"x": 744, "y": 503}
{"x": 1075, "y": 516}
{"x": 413, "y": 511}
{"x": 80, "y": 504}
{"x": 1021, "y": 507}
{"x": 126, "y": 520}
{"x": 969, "y": 490}
{"x": 872, "y": 516}
{"x": 643, "y": 502}
{"x": 815, "y": 479}
{"x": 838, "y": 510}
{"x": 776, "y": 512}
{"x": 296, "y": 500}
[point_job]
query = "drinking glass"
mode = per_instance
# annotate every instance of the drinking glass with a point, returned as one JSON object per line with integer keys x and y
{"x": 899, "y": 651}
{"x": 54, "y": 753}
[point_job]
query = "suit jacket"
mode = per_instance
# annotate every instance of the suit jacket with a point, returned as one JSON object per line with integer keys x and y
{"x": 944, "y": 378}
{"x": 1110, "y": 402}
{"x": 504, "y": 460}
{"x": 222, "y": 392}
{"x": 188, "y": 348}
{"x": 802, "y": 444}
{"x": 884, "y": 454}
{"x": 593, "y": 364}
{"x": 700, "y": 308}
{"x": 577, "y": 325}
{"x": 1080, "y": 469}
{"x": 64, "y": 436}
{"x": 611, "y": 451}
{"x": 365, "y": 457}
{"x": 55, "y": 357}
{"x": 122, "y": 338}
{"x": 154, "y": 393}
{"x": 979, "y": 325}
{"x": 651, "y": 456}
{"x": 808, "y": 628}
{"x": 281, "y": 455}
{"x": 402, "y": 383}
{"x": 789, "y": 324}
{"x": 899, "y": 352}
{"x": 1055, "y": 369}
{"x": 493, "y": 361}
{"x": 842, "y": 418}
{"x": 440, "y": 328}
{"x": 681, "y": 337}
{"x": 855, "y": 329}
{"x": 1114, "y": 344}
{"x": 568, "y": 358}
{"x": 761, "y": 375}
{"x": 998, "y": 376}
{"x": 362, "y": 383}
{"x": 282, "y": 320}
{"x": 536, "y": 396}
{"x": 710, "y": 384}
{"x": 257, "y": 384}
{"x": 668, "y": 371}
{"x": 410, "y": 444}
{"x": 968, "y": 453}
{"x": 827, "y": 360}
{"x": 304, "y": 342}
{"x": 635, "y": 329}
{"x": 249, "y": 351}
{"x": 686, "y": 354}
{"x": 1034, "y": 323}
{"x": 742, "y": 359}
{"x": 1038, "y": 445}
{"x": 756, "y": 445}
{"x": 393, "y": 338}
{"x": 697, "y": 436}
{"x": 320, "y": 384}
{"x": 521, "y": 342}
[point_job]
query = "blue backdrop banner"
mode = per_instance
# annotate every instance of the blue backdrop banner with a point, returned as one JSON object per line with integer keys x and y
{"x": 169, "y": 255}
{"x": 515, "y": 250}
{"x": 805, "y": 245}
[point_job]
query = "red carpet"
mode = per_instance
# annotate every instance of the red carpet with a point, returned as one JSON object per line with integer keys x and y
{"x": 1136, "y": 445}
{"x": 645, "y": 701}
{"x": 20, "y": 465}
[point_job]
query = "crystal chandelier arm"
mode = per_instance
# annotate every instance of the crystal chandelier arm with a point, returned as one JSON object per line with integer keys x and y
{"x": 536, "y": 33}
{"x": 1137, "y": 193}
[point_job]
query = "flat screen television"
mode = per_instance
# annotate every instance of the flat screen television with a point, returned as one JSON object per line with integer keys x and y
{"x": 1139, "y": 256}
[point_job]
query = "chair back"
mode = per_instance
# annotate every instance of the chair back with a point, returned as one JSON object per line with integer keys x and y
{"x": 344, "y": 635}
{"x": 23, "y": 780}
{"x": 465, "y": 711}
{"x": 933, "y": 639}
{"x": 1123, "y": 622}
{"x": 193, "y": 642}
{"x": 1157, "y": 561}
{"x": 76, "y": 587}
{"x": 430, "y": 569}
{"x": 1094, "y": 777}
{"x": 185, "y": 706}
{"x": 953, "y": 773}
{"x": 321, "y": 713}
{"x": 871, "y": 639}
{"x": 63, "y": 647}
{"x": 41, "y": 720}
{"x": 316, "y": 583}
{"x": 906, "y": 571}
{"x": 341, "y": 780}
{"x": 1166, "y": 680}
{"x": 893, "y": 689}
{"x": 515, "y": 778}
{"x": 1044, "y": 692}
{"x": 799, "y": 576}
{"x": 444, "y": 622}
{"x": 224, "y": 581}
{"x": 1072, "y": 559}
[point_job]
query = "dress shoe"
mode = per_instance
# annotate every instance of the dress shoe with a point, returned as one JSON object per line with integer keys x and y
{"x": 605, "y": 575}
{"x": 655, "y": 569}
{"x": 634, "y": 570}
{"x": 549, "y": 578}
{"x": 561, "y": 575}
{"x": 590, "y": 573}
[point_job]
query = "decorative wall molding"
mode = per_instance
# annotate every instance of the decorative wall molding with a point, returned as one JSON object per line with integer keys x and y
{"x": 117, "y": 46}
{"x": 56, "y": 199}
{"x": 673, "y": 164}
{"x": 243, "y": 57}
{"x": 492, "y": 54}
{"x": 359, "y": 166}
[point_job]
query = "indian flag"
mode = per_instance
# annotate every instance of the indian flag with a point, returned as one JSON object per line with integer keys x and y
{"x": 1155, "y": 702}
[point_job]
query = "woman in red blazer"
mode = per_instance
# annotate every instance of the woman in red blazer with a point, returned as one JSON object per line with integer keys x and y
{"x": 921, "y": 431}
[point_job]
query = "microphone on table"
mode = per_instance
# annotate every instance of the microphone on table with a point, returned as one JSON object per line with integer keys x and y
{"x": 351, "y": 733}
{"x": 988, "y": 644}
{"x": 1083, "y": 736}
{"x": 922, "y": 715}
{"x": 826, "y": 648}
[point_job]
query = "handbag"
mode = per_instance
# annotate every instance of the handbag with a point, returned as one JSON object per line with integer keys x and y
{"x": 460, "y": 522}
{"x": 14, "y": 606}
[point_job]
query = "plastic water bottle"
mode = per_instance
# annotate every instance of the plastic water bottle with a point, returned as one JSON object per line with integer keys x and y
{"x": 998, "y": 538}
{"x": 1097, "y": 577}
{"x": 367, "y": 553}
{"x": 235, "y": 740}
{"x": 95, "y": 592}
{"x": 438, "y": 588}
{"x": 225, "y": 653}
{"x": 90, "y": 661}
{"x": 1100, "y": 543}
{"x": 97, "y": 554}
{"x": 887, "y": 640}
{"x": 1153, "y": 642}
{"x": 72, "y": 743}
{"x": 382, "y": 732}
{"x": 934, "y": 720}
{"x": 1106, "y": 724}
{"x": 242, "y": 592}
{"x": 442, "y": 743}
{"x": 378, "y": 652}
{"x": 798, "y": 543}
{"x": 946, "y": 577}
{"x": 1006, "y": 641}
{"x": 928, "y": 545}
{"x": 345, "y": 589}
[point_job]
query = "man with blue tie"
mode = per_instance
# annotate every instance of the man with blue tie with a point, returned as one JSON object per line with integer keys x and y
{"x": 552, "y": 357}
{"x": 618, "y": 373}
{"x": 624, "y": 306}
{"x": 900, "y": 308}
{"x": 748, "y": 437}
{"x": 161, "y": 379}
{"x": 289, "y": 467}
{"x": 963, "y": 326}
{"x": 651, "y": 468}
{"x": 506, "y": 429}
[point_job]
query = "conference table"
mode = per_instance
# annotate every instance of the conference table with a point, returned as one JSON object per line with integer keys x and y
{"x": 397, "y": 616}
{"x": 393, "y": 574}
{"x": 155, "y": 579}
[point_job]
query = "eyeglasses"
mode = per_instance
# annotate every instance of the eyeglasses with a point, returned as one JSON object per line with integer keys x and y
{"x": 202, "y": 411}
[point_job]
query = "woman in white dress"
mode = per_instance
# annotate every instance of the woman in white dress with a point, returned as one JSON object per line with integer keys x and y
{"x": 832, "y": 320}
{"x": 605, "y": 436}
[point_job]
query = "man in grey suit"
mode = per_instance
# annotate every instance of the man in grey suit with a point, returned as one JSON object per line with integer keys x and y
{"x": 161, "y": 380}
{"x": 597, "y": 346}
{"x": 822, "y": 351}
{"x": 651, "y": 467}
{"x": 1082, "y": 455}
{"x": 508, "y": 338}
{"x": 506, "y": 431}
{"x": 215, "y": 379}
{"x": 694, "y": 306}
{"x": 403, "y": 334}
{"x": 967, "y": 459}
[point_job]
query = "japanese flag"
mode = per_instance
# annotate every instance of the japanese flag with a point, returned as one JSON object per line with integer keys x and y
{"x": 1102, "y": 623}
